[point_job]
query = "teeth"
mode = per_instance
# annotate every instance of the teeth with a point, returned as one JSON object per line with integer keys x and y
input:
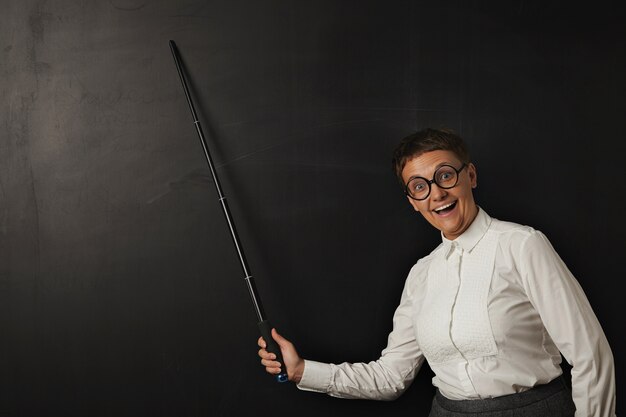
{"x": 438, "y": 209}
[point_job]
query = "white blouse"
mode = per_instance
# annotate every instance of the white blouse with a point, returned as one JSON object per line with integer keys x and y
{"x": 490, "y": 312}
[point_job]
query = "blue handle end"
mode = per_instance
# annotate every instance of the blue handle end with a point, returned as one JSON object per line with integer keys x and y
{"x": 282, "y": 377}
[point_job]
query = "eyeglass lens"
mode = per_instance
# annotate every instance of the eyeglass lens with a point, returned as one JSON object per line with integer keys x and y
{"x": 445, "y": 177}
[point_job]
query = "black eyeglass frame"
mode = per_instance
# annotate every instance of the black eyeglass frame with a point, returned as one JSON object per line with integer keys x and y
{"x": 433, "y": 181}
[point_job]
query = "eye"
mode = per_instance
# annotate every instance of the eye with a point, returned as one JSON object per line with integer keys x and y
{"x": 445, "y": 175}
{"x": 417, "y": 186}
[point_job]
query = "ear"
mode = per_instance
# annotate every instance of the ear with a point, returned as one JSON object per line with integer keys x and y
{"x": 413, "y": 203}
{"x": 471, "y": 170}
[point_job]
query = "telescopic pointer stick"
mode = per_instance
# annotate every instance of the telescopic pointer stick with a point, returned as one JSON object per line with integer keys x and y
{"x": 264, "y": 325}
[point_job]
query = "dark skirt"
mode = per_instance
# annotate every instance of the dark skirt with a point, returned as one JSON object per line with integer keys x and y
{"x": 550, "y": 400}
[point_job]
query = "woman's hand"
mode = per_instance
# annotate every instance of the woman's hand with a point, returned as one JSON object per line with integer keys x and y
{"x": 293, "y": 362}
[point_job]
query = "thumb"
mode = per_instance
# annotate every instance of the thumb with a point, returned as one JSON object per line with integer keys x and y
{"x": 282, "y": 342}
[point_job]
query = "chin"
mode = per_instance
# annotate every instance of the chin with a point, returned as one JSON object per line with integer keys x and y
{"x": 454, "y": 232}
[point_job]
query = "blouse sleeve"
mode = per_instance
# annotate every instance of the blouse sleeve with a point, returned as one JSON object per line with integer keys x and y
{"x": 383, "y": 379}
{"x": 572, "y": 325}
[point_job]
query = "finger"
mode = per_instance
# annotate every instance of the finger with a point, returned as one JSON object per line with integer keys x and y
{"x": 264, "y": 354}
{"x": 261, "y": 342}
{"x": 270, "y": 363}
{"x": 273, "y": 371}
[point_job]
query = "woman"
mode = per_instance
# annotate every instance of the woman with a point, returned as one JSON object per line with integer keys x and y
{"x": 490, "y": 309}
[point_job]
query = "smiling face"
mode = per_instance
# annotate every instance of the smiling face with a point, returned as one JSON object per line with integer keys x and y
{"x": 451, "y": 211}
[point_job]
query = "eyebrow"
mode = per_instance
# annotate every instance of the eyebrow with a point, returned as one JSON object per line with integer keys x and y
{"x": 436, "y": 168}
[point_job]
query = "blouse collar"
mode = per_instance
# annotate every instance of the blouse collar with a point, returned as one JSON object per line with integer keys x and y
{"x": 474, "y": 233}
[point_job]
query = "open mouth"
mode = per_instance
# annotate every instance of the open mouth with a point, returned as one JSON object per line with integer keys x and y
{"x": 445, "y": 209}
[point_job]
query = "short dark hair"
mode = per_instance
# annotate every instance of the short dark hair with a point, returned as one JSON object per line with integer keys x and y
{"x": 427, "y": 140}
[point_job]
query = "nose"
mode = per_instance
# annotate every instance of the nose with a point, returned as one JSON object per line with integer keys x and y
{"x": 437, "y": 193}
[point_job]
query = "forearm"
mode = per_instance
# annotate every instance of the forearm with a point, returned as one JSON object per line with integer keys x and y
{"x": 376, "y": 380}
{"x": 593, "y": 383}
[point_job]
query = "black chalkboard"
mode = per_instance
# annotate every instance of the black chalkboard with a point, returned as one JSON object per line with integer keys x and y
{"x": 120, "y": 291}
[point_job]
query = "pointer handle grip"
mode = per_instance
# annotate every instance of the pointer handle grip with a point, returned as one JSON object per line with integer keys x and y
{"x": 272, "y": 346}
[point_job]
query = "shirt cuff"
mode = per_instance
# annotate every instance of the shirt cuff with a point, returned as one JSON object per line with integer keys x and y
{"x": 316, "y": 377}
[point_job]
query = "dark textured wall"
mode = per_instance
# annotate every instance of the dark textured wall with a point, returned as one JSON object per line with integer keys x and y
{"x": 120, "y": 292}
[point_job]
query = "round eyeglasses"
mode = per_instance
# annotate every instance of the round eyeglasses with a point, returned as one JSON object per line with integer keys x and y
{"x": 446, "y": 177}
